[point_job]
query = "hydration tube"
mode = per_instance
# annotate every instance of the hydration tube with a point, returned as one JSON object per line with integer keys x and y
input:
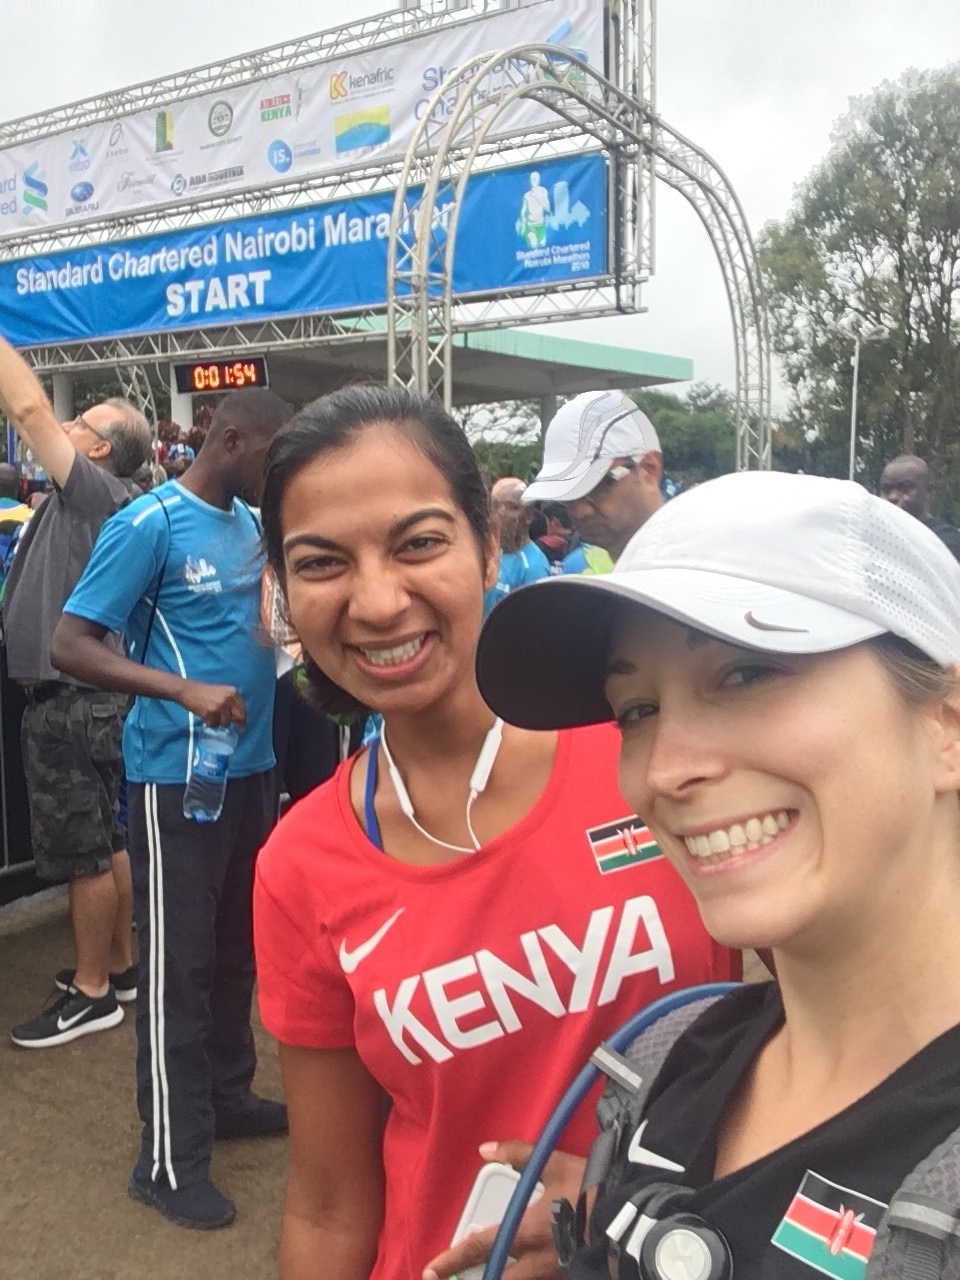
{"x": 568, "y": 1104}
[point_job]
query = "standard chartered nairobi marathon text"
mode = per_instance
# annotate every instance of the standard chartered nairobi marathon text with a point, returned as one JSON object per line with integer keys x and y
{"x": 125, "y": 264}
{"x": 238, "y": 246}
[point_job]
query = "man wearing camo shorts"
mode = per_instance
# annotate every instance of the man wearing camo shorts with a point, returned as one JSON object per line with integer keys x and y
{"x": 71, "y": 734}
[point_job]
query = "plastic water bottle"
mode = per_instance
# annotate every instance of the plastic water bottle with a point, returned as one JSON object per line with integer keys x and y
{"x": 207, "y": 779}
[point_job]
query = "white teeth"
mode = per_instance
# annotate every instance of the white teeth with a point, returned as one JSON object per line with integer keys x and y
{"x": 719, "y": 842}
{"x": 754, "y": 833}
{"x": 400, "y": 653}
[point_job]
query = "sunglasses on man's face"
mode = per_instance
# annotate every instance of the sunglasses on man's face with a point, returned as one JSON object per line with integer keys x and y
{"x": 610, "y": 480}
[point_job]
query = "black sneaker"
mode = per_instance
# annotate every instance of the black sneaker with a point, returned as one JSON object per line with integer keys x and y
{"x": 256, "y": 1118}
{"x": 199, "y": 1206}
{"x": 71, "y": 1015}
{"x": 123, "y": 983}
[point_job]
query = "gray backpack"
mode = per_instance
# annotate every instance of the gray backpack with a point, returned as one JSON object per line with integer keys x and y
{"x": 919, "y": 1235}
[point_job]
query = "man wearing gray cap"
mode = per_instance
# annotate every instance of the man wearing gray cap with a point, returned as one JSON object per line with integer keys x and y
{"x": 602, "y": 458}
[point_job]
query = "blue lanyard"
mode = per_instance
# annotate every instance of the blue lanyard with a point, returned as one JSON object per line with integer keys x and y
{"x": 370, "y": 813}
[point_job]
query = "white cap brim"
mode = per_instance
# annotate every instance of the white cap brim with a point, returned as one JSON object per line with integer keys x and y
{"x": 567, "y": 486}
{"x": 560, "y": 684}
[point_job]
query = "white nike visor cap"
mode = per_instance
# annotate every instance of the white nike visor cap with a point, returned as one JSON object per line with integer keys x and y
{"x": 763, "y": 560}
{"x": 582, "y": 440}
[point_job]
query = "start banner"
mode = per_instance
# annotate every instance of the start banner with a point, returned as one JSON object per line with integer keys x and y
{"x": 519, "y": 228}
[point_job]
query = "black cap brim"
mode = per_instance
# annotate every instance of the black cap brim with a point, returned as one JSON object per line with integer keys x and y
{"x": 542, "y": 655}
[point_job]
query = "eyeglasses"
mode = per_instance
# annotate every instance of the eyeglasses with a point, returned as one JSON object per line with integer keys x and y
{"x": 80, "y": 421}
{"x": 608, "y": 482}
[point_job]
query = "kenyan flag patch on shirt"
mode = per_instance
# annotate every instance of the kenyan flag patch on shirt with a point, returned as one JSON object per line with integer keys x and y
{"x": 830, "y": 1228}
{"x": 622, "y": 844}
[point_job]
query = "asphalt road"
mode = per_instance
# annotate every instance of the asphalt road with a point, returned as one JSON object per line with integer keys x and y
{"x": 68, "y": 1141}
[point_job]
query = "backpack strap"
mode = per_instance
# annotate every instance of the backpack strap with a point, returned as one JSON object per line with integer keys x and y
{"x": 919, "y": 1235}
{"x": 156, "y": 594}
{"x": 630, "y": 1076}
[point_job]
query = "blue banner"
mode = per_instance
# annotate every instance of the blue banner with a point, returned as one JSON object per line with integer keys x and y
{"x": 528, "y": 226}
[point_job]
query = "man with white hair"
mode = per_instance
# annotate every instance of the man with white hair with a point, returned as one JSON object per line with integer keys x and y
{"x": 602, "y": 459}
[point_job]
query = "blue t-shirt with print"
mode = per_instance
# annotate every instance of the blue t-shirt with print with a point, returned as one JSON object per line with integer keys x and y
{"x": 517, "y": 569}
{"x": 207, "y": 624}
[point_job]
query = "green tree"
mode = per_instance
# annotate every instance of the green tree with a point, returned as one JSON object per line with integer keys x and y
{"x": 698, "y": 432}
{"x": 505, "y": 436}
{"x": 871, "y": 246}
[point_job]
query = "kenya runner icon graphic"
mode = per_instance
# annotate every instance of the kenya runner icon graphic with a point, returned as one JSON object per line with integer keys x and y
{"x": 830, "y": 1228}
{"x": 622, "y": 843}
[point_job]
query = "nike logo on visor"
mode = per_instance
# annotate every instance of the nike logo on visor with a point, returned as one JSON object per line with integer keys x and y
{"x": 753, "y": 621}
{"x": 350, "y": 959}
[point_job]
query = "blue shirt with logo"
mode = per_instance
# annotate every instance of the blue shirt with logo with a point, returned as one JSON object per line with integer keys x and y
{"x": 517, "y": 569}
{"x": 207, "y": 623}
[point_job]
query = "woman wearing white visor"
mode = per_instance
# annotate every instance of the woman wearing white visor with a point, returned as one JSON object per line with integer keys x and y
{"x": 779, "y": 652}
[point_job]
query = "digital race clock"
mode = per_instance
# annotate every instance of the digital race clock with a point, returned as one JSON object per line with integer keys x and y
{"x": 221, "y": 375}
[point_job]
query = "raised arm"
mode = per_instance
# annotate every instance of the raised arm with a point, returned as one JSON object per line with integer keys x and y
{"x": 77, "y": 649}
{"x": 26, "y": 404}
{"x": 334, "y": 1204}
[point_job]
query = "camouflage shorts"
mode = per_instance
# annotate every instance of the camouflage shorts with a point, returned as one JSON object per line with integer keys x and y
{"x": 73, "y": 761}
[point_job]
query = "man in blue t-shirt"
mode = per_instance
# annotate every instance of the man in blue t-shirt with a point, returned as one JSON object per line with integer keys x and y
{"x": 178, "y": 573}
{"x": 521, "y": 561}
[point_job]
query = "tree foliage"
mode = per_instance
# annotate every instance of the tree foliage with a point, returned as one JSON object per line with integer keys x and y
{"x": 871, "y": 246}
{"x": 697, "y": 433}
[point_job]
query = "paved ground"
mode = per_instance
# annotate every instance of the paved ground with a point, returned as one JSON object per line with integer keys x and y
{"x": 68, "y": 1139}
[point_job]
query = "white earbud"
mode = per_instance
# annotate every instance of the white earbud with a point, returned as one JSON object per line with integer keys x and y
{"x": 478, "y": 782}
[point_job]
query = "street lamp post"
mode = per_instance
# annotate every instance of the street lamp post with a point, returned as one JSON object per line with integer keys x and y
{"x": 866, "y": 336}
{"x": 853, "y": 404}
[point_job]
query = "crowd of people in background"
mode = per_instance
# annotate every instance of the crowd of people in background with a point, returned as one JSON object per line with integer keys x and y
{"x": 439, "y": 903}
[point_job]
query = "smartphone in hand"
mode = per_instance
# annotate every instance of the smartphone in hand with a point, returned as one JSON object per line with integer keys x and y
{"x": 486, "y": 1205}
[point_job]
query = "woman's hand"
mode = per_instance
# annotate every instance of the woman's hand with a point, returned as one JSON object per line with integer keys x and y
{"x": 536, "y": 1257}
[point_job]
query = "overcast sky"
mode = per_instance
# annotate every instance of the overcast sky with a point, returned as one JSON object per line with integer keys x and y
{"x": 757, "y": 83}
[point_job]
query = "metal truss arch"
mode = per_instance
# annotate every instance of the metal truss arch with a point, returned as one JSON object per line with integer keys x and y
{"x": 447, "y": 147}
{"x": 135, "y": 385}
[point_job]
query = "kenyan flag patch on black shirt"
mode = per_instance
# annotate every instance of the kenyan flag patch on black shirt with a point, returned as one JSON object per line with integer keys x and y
{"x": 621, "y": 844}
{"x": 830, "y": 1228}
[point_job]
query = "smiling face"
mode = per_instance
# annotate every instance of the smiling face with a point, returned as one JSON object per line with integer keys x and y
{"x": 384, "y": 575}
{"x": 799, "y": 797}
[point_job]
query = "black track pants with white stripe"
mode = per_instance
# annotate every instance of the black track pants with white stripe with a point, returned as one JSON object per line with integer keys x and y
{"x": 192, "y": 888}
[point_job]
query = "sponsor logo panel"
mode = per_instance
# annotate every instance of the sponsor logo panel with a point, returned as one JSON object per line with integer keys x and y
{"x": 362, "y": 129}
{"x": 116, "y": 142}
{"x": 346, "y": 84}
{"x": 82, "y": 193}
{"x": 35, "y": 189}
{"x": 278, "y": 107}
{"x": 164, "y": 132}
{"x": 79, "y": 156}
{"x": 280, "y": 156}
{"x": 131, "y": 182}
{"x": 212, "y": 178}
{"x": 220, "y": 118}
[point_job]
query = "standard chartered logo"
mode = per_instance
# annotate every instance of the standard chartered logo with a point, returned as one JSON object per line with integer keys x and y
{"x": 35, "y": 195}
